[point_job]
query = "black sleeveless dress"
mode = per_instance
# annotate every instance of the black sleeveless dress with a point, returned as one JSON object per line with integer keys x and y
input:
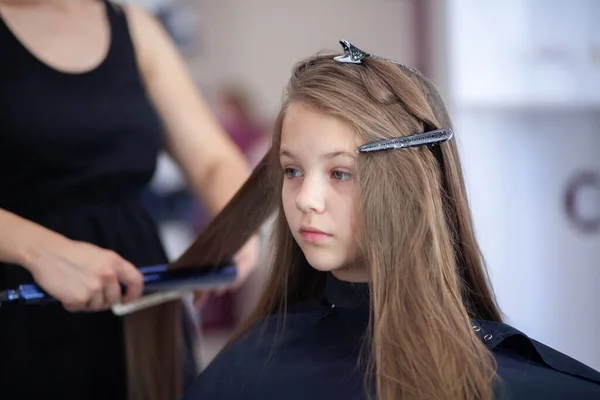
{"x": 76, "y": 152}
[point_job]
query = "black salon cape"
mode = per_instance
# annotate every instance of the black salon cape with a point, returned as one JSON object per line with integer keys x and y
{"x": 316, "y": 358}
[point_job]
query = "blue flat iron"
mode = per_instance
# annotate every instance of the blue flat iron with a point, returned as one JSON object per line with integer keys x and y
{"x": 157, "y": 279}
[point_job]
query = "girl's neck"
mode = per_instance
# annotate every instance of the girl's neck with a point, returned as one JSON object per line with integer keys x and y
{"x": 352, "y": 274}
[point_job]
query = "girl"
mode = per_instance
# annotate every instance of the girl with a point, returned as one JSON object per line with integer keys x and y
{"x": 378, "y": 287}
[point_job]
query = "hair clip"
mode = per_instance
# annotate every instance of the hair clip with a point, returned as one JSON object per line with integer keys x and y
{"x": 354, "y": 55}
{"x": 420, "y": 139}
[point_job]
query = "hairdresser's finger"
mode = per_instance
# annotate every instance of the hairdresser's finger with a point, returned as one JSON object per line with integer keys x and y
{"x": 112, "y": 293}
{"x": 97, "y": 302}
{"x": 247, "y": 259}
{"x": 78, "y": 301}
{"x": 133, "y": 279}
{"x": 74, "y": 307}
{"x": 200, "y": 299}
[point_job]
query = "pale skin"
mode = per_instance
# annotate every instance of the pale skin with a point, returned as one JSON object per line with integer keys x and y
{"x": 318, "y": 157}
{"x": 73, "y": 36}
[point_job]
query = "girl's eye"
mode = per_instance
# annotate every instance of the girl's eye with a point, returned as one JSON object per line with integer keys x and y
{"x": 291, "y": 172}
{"x": 340, "y": 175}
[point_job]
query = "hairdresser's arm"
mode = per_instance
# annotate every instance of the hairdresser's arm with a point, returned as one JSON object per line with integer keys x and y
{"x": 80, "y": 275}
{"x": 212, "y": 164}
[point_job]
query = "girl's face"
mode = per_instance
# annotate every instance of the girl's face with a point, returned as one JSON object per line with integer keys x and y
{"x": 318, "y": 156}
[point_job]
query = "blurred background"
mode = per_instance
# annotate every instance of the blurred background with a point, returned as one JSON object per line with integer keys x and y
{"x": 522, "y": 81}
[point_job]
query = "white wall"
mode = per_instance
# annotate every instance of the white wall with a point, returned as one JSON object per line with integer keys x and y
{"x": 545, "y": 272}
{"x": 259, "y": 41}
{"x": 526, "y": 127}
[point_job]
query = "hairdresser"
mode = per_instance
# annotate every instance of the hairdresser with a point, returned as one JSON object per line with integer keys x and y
{"x": 90, "y": 92}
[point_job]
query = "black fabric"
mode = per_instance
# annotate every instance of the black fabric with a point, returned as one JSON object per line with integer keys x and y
{"x": 72, "y": 139}
{"x": 314, "y": 353}
{"x": 76, "y": 152}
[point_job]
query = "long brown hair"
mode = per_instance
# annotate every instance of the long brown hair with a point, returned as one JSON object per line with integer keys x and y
{"x": 153, "y": 336}
{"x": 415, "y": 233}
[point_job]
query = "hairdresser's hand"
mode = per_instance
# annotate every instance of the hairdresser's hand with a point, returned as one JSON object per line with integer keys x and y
{"x": 83, "y": 277}
{"x": 246, "y": 260}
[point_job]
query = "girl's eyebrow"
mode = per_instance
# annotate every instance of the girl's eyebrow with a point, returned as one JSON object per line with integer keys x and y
{"x": 330, "y": 155}
{"x": 339, "y": 153}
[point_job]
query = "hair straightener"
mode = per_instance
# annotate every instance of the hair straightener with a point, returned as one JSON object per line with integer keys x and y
{"x": 161, "y": 284}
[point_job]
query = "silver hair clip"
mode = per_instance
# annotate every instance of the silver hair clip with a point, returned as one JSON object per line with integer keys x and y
{"x": 354, "y": 55}
{"x": 420, "y": 139}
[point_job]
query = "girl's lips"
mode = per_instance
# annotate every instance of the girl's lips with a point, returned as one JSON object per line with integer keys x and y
{"x": 312, "y": 235}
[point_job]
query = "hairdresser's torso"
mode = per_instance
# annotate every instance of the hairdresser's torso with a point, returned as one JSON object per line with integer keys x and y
{"x": 317, "y": 356}
{"x": 75, "y": 124}
{"x": 78, "y": 144}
